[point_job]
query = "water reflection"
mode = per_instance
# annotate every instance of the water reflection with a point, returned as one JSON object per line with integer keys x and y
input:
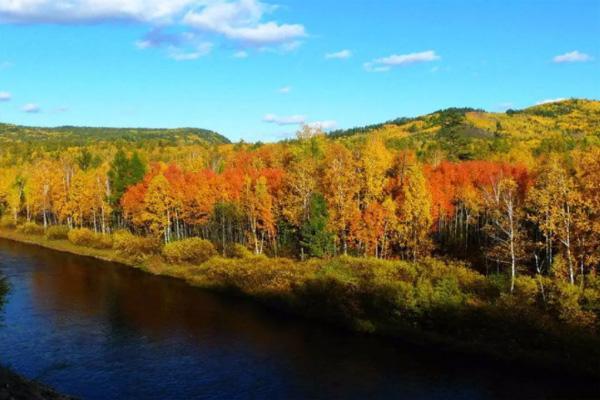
{"x": 100, "y": 330}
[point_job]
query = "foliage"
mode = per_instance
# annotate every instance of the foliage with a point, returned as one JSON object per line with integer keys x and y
{"x": 135, "y": 247}
{"x": 315, "y": 237}
{"x": 193, "y": 251}
{"x": 7, "y": 222}
{"x": 57, "y": 232}
{"x": 236, "y": 250}
{"x": 31, "y": 228}
{"x": 124, "y": 172}
{"x": 73, "y": 136}
{"x": 415, "y": 213}
{"x": 512, "y": 197}
{"x": 253, "y": 275}
{"x": 88, "y": 238}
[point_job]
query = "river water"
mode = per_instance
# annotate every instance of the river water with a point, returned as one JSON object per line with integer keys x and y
{"x": 98, "y": 330}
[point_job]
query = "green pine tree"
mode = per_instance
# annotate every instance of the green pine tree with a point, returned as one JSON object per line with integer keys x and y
{"x": 316, "y": 240}
{"x": 124, "y": 172}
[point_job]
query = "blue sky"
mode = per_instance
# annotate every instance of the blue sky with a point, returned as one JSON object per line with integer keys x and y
{"x": 257, "y": 70}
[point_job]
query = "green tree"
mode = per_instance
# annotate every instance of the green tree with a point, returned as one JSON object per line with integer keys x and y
{"x": 87, "y": 160}
{"x": 124, "y": 172}
{"x": 316, "y": 240}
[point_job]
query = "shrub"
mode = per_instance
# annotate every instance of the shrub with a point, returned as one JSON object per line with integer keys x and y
{"x": 526, "y": 290}
{"x": 7, "y": 222}
{"x": 87, "y": 238}
{"x": 359, "y": 291}
{"x": 31, "y": 228}
{"x": 560, "y": 268}
{"x": 192, "y": 250}
{"x": 257, "y": 274}
{"x": 447, "y": 293}
{"x": 135, "y": 247}
{"x": 565, "y": 299}
{"x": 81, "y": 237}
{"x": 238, "y": 251}
{"x": 57, "y": 232}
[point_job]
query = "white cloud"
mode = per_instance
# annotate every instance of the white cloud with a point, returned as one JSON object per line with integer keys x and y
{"x": 31, "y": 108}
{"x": 285, "y": 89}
{"x": 5, "y": 96}
{"x": 386, "y": 63}
{"x": 179, "y": 54}
{"x": 81, "y": 11}
{"x": 181, "y": 46}
{"x": 573, "y": 56}
{"x": 323, "y": 125}
{"x": 240, "y": 54}
{"x": 339, "y": 55}
{"x": 284, "y": 120}
{"x": 299, "y": 120}
{"x": 241, "y": 21}
{"x": 546, "y": 101}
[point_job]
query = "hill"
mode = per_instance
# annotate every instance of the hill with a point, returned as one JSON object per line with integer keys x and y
{"x": 453, "y": 134}
{"x": 73, "y": 136}
{"x": 467, "y": 133}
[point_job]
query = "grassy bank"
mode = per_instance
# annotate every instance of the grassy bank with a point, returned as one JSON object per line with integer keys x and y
{"x": 432, "y": 302}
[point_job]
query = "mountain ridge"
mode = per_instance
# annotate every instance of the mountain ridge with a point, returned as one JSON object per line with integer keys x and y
{"x": 81, "y": 135}
{"x": 468, "y": 133}
{"x": 455, "y": 126}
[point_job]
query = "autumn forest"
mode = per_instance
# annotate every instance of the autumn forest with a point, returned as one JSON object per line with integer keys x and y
{"x": 395, "y": 226}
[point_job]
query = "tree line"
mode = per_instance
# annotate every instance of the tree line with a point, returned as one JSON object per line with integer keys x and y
{"x": 316, "y": 197}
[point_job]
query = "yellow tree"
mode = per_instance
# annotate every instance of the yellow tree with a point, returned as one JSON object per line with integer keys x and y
{"x": 341, "y": 188}
{"x": 38, "y": 191}
{"x": 89, "y": 199}
{"x": 374, "y": 164}
{"x": 298, "y": 187}
{"x": 62, "y": 181}
{"x": 257, "y": 204}
{"x": 101, "y": 194}
{"x": 82, "y": 201}
{"x": 10, "y": 190}
{"x": 157, "y": 207}
{"x": 62, "y": 178}
{"x": 13, "y": 198}
{"x": 554, "y": 199}
{"x": 415, "y": 213}
{"x": 503, "y": 207}
{"x": 587, "y": 216}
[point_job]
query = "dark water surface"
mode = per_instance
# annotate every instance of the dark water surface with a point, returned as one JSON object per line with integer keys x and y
{"x": 102, "y": 331}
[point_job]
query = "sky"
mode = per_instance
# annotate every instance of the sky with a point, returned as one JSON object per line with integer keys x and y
{"x": 258, "y": 70}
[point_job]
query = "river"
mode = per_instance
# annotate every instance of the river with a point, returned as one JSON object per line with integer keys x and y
{"x": 99, "y": 330}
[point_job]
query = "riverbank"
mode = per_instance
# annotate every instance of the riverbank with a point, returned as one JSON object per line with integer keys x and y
{"x": 13, "y": 386}
{"x": 431, "y": 303}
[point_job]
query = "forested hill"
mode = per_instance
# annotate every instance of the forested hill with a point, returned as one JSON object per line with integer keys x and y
{"x": 72, "y": 136}
{"x": 452, "y": 134}
{"x": 467, "y": 133}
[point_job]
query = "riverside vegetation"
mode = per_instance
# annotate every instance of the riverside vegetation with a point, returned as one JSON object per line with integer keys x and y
{"x": 467, "y": 229}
